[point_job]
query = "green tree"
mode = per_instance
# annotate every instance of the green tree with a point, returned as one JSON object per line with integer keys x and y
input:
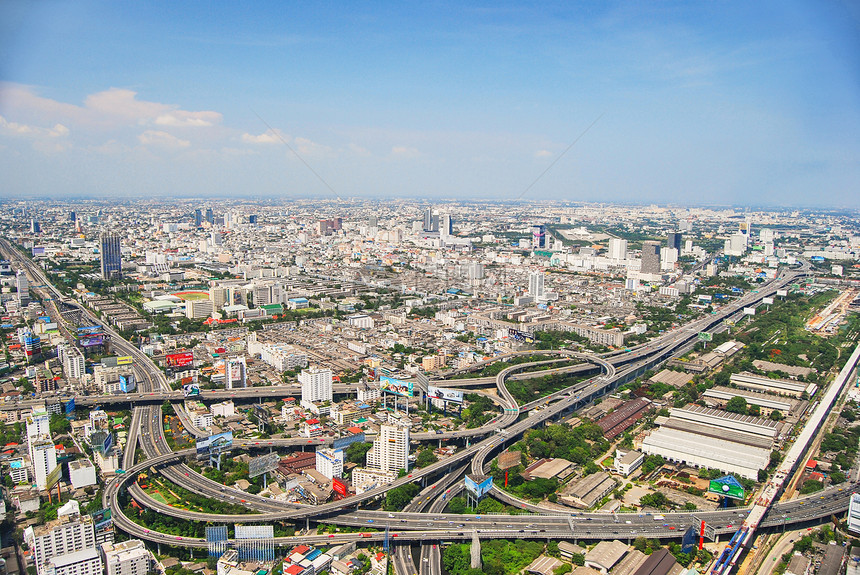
{"x": 811, "y": 486}
{"x": 426, "y": 457}
{"x": 399, "y": 497}
{"x": 737, "y": 404}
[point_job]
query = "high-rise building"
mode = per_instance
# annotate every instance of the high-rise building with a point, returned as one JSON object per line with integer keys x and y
{"x": 539, "y": 237}
{"x": 198, "y": 309}
{"x": 447, "y": 227}
{"x": 35, "y": 227}
{"x": 23, "y": 287}
{"x": 218, "y": 295}
{"x": 617, "y": 249}
{"x": 536, "y": 287}
{"x": 43, "y": 458}
{"x": 198, "y": 217}
{"x": 390, "y": 451}
{"x": 673, "y": 240}
{"x": 65, "y": 535}
{"x": 236, "y": 373}
{"x": 316, "y": 384}
{"x": 252, "y": 219}
{"x": 111, "y": 255}
{"x": 650, "y": 257}
{"x": 73, "y": 217}
{"x": 127, "y": 558}
{"x": 38, "y": 424}
{"x": 210, "y": 217}
{"x": 83, "y": 562}
{"x": 330, "y": 462}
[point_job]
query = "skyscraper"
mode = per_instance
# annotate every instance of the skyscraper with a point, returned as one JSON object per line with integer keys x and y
{"x": 431, "y": 220}
{"x": 536, "y": 289}
{"x": 198, "y": 217}
{"x": 35, "y": 227}
{"x": 210, "y": 217}
{"x": 43, "y": 458}
{"x": 539, "y": 237}
{"x": 23, "y": 287}
{"x": 650, "y": 257}
{"x": 617, "y": 249}
{"x": 447, "y": 227}
{"x": 73, "y": 217}
{"x": 316, "y": 384}
{"x": 111, "y": 255}
{"x": 673, "y": 240}
{"x": 390, "y": 451}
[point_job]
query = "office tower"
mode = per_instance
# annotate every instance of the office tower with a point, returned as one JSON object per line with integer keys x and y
{"x": 252, "y": 219}
{"x": 210, "y": 217}
{"x": 217, "y": 238}
{"x": 428, "y": 220}
{"x": 536, "y": 288}
{"x": 539, "y": 237}
{"x": 111, "y": 255}
{"x": 390, "y": 451}
{"x": 330, "y": 462}
{"x": 198, "y": 217}
{"x": 35, "y": 227}
{"x": 673, "y": 240}
{"x": 475, "y": 271}
{"x": 447, "y": 227}
{"x": 73, "y": 217}
{"x": 127, "y": 558}
{"x": 617, "y": 249}
{"x": 67, "y": 534}
{"x": 218, "y": 295}
{"x": 650, "y": 257}
{"x": 316, "y": 384}
{"x": 766, "y": 235}
{"x": 373, "y": 222}
{"x": 43, "y": 458}
{"x": 38, "y": 425}
{"x": 669, "y": 257}
{"x": 23, "y": 287}
{"x": 236, "y": 373}
{"x": 199, "y": 309}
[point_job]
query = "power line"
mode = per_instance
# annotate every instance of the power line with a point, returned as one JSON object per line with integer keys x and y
{"x": 307, "y": 165}
{"x": 560, "y": 156}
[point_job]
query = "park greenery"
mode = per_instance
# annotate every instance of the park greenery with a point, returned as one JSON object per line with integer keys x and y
{"x": 498, "y": 557}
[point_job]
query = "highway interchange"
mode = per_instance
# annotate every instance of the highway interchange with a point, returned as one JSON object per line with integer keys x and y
{"x": 423, "y": 521}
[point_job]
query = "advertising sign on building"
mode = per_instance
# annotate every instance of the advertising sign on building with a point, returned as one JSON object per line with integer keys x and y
{"x": 478, "y": 485}
{"x": 395, "y": 386}
{"x": 179, "y": 359}
{"x": 339, "y": 487}
{"x": 53, "y": 477}
{"x": 191, "y": 390}
{"x": 854, "y": 514}
{"x": 727, "y": 486}
{"x": 705, "y": 336}
{"x": 124, "y": 360}
{"x": 444, "y": 394}
{"x": 127, "y": 383}
{"x": 101, "y": 519}
{"x": 749, "y": 311}
{"x": 520, "y": 336}
{"x": 91, "y": 341}
{"x": 214, "y": 443}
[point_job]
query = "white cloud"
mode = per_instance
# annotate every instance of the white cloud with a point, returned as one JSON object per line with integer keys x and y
{"x": 404, "y": 152}
{"x": 162, "y": 139}
{"x": 181, "y": 119}
{"x": 543, "y": 154}
{"x": 269, "y": 137}
{"x": 18, "y": 129}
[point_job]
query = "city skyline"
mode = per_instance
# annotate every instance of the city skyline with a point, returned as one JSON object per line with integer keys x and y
{"x": 591, "y": 102}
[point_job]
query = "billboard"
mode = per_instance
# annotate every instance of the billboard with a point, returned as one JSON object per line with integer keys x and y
{"x": 255, "y": 531}
{"x": 216, "y": 540}
{"x": 395, "y": 386}
{"x": 70, "y": 406}
{"x": 854, "y": 514}
{"x": 749, "y": 311}
{"x": 53, "y": 477}
{"x": 124, "y": 360}
{"x": 344, "y": 442}
{"x": 190, "y": 390}
{"x": 214, "y": 444}
{"x": 127, "y": 383}
{"x": 705, "y": 336}
{"x": 263, "y": 464}
{"x": 101, "y": 519}
{"x": 520, "y": 336}
{"x": 339, "y": 487}
{"x": 767, "y": 300}
{"x": 727, "y": 486}
{"x": 444, "y": 394}
{"x": 107, "y": 443}
{"x": 91, "y": 341}
{"x": 782, "y": 292}
{"x": 179, "y": 359}
{"x": 92, "y": 329}
{"x": 478, "y": 485}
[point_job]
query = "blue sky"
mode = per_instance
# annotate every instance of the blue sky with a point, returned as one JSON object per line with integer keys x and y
{"x": 698, "y": 102}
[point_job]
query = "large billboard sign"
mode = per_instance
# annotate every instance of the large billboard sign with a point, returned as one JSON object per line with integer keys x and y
{"x": 179, "y": 359}
{"x": 107, "y": 443}
{"x": 214, "y": 443}
{"x": 127, "y": 383}
{"x": 520, "y": 336}
{"x": 478, "y": 485}
{"x": 706, "y": 336}
{"x": 395, "y": 386}
{"x": 92, "y": 329}
{"x": 53, "y": 477}
{"x": 339, "y": 487}
{"x": 444, "y": 394}
{"x": 727, "y": 486}
{"x": 124, "y": 360}
{"x": 101, "y": 519}
{"x": 91, "y": 341}
{"x": 191, "y": 390}
{"x": 263, "y": 464}
{"x": 854, "y": 514}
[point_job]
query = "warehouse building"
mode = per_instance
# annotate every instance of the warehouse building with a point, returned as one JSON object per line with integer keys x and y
{"x": 778, "y": 386}
{"x": 703, "y": 437}
{"x": 720, "y": 396}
